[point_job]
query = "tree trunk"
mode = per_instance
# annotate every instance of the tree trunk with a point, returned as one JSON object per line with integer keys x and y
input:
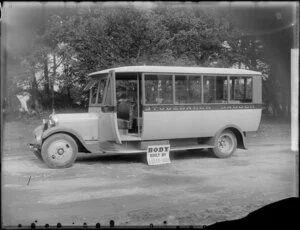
{"x": 46, "y": 76}
{"x": 34, "y": 92}
{"x": 253, "y": 55}
{"x": 68, "y": 80}
{"x": 69, "y": 74}
{"x": 53, "y": 80}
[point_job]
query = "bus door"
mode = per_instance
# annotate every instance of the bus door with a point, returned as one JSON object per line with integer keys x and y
{"x": 108, "y": 126}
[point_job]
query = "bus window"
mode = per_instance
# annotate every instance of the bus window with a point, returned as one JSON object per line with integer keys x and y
{"x": 158, "y": 89}
{"x": 241, "y": 89}
{"x": 215, "y": 89}
{"x": 93, "y": 94}
{"x": 187, "y": 89}
{"x": 101, "y": 90}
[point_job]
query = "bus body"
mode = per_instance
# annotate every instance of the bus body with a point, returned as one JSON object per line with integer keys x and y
{"x": 133, "y": 107}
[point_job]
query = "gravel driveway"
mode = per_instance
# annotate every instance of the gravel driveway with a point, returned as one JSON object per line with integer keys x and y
{"x": 195, "y": 189}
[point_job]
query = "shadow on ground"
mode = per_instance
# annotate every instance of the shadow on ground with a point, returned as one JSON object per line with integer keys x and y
{"x": 141, "y": 158}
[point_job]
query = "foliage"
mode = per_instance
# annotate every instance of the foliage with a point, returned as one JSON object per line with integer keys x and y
{"x": 67, "y": 45}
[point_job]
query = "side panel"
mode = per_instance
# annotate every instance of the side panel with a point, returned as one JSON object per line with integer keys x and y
{"x": 107, "y": 124}
{"x": 106, "y": 127}
{"x": 187, "y": 124}
{"x": 257, "y": 89}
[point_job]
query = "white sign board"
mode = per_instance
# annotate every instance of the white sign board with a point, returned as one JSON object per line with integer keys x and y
{"x": 158, "y": 154}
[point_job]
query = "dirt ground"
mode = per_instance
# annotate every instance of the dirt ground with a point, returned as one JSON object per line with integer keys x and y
{"x": 195, "y": 189}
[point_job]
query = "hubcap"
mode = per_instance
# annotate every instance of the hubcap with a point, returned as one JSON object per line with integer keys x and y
{"x": 225, "y": 144}
{"x": 60, "y": 151}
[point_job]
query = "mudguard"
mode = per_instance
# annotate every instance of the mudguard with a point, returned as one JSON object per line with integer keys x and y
{"x": 241, "y": 144}
{"x": 61, "y": 129}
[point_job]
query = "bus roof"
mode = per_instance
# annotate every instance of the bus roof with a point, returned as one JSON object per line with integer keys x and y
{"x": 177, "y": 70}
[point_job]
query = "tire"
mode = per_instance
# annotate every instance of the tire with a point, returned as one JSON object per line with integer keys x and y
{"x": 225, "y": 144}
{"x": 59, "y": 151}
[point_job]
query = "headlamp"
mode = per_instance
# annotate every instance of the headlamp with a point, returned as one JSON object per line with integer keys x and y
{"x": 45, "y": 124}
{"x": 52, "y": 120}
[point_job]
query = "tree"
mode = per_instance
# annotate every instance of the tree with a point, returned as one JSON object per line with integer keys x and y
{"x": 68, "y": 45}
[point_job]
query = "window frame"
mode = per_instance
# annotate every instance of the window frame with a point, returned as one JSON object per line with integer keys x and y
{"x": 252, "y": 87}
{"x": 144, "y": 87}
{"x": 174, "y": 88}
{"x": 97, "y": 81}
{"x": 215, "y": 91}
{"x": 90, "y": 100}
{"x": 104, "y": 93}
{"x": 228, "y": 78}
{"x": 90, "y": 84}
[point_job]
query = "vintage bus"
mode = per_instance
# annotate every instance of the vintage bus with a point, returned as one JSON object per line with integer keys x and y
{"x": 133, "y": 107}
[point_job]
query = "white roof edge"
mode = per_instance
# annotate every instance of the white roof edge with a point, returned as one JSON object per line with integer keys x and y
{"x": 179, "y": 70}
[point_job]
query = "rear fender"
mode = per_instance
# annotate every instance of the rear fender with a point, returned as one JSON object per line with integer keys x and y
{"x": 82, "y": 146}
{"x": 241, "y": 143}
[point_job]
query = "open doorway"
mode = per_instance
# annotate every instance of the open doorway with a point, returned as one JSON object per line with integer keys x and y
{"x": 128, "y": 95}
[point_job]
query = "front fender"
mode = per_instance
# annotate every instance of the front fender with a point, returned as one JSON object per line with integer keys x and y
{"x": 38, "y": 132}
{"x": 60, "y": 129}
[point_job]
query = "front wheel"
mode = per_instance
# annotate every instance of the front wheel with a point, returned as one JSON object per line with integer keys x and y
{"x": 59, "y": 151}
{"x": 225, "y": 144}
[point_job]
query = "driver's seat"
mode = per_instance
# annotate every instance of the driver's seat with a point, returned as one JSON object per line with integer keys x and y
{"x": 124, "y": 114}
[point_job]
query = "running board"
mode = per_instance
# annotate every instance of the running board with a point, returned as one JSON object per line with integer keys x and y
{"x": 191, "y": 147}
{"x": 112, "y": 148}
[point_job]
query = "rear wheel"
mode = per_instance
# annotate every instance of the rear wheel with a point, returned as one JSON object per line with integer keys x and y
{"x": 225, "y": 144}
{"x": 59, "y": 151}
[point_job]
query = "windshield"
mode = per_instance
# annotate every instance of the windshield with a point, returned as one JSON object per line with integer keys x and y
{"x": 97, "y": 90}
{"x": 101, "y": 89}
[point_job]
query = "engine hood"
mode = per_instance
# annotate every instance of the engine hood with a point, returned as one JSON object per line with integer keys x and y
{"x": 63, "y": 118}
{"x": 86, "y": 124}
